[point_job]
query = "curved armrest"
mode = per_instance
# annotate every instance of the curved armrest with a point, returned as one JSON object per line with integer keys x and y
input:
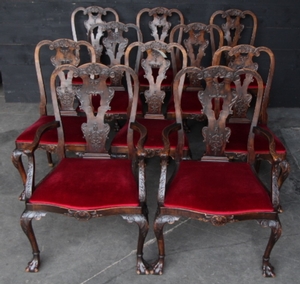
{"x": 280, "y": 167}
{"x": 143, "y": 136}
{"x": 260, "y": 131}
{"x": 165, "y": 137}
{"x": 40, "y": 131}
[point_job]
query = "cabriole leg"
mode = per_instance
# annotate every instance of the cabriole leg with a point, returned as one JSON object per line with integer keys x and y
{"x": 159, "y": 223}
{"x": 142, "y": 267}
{"x": 26, "y": 224}
{"x": 267, "y": 268}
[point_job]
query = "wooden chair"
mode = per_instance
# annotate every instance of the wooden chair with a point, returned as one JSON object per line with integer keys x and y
{"x": 213, "y": 189}
{"x": 98, "y": 186}
{"x": 244, "y": 56}
{"x": 235, "y": 32}
{"x": 66, "y": 52}
{"x": 200, "y": 41}
{"x": 155, "y": 66}
{"x": 95, "y": 15}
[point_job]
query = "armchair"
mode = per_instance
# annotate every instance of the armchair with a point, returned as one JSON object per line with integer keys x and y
{"x": 93, "y": 185}
{"x": 214, "y": 189}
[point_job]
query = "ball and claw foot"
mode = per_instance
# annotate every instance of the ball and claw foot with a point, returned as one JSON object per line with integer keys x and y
{"x": 33, "y": 265}
{"x": 142, "y": 267}
{"x": 157, "y": 268}
{"x": 268, "y": 269}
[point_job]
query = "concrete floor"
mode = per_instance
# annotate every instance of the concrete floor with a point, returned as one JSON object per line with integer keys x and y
{"x": 196, "y": 252}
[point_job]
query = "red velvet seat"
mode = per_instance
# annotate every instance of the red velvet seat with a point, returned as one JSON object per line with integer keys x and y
{"x": 154, "y": 141}
{"x": 219, "y": 191}
{"x": 116, "y": 188}
{"x": 239, "y": 137}
{"x": 72, "y": 127}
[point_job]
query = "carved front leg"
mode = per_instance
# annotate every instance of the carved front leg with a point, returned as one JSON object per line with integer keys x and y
{"x": 17, "y": 162}
{"x": 26, "y": 224}
{"x": 267, "y": 268}
{"x": 142, "y": 267}
{"x": 159, "y": 223}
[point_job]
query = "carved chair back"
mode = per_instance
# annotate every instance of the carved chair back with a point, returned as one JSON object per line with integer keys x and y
{"x": 67, "y": 51}
{"x": 197, "y": 37}
{"x": 218, "y": 87}
{"x": 95, "y": 16}
{"x": 234, "y": 27}
{"x": 242, "y": 56}
{"x": 94, "y": 78}
{"x": 110, "y": 37}
{"x": 160, "y": 22}
{"x": 155, "y": 62}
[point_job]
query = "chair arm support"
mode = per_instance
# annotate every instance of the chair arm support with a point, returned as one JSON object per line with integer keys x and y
{"x": 280, "y": 167}
{"x": 260, "y": 131}
{"x": 40, "y": 131}
{"x": 165, "y": 137}
{"x": 143, "y": 136}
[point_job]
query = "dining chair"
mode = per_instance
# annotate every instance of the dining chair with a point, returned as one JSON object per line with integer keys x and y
{"x": 91, "y": 185}
{"x": 214, "y": 189}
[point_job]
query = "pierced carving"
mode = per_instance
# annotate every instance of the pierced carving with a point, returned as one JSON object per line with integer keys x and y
{"x": 67, "y": 52}
{"x": 82, "y": 215}
{"x": 218, "y": 220}
{"x": 66, "y": 97}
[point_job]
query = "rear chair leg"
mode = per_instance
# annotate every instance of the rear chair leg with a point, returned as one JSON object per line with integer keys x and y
{"x": 26, "y": 224}
{"x": 267, "y": 268}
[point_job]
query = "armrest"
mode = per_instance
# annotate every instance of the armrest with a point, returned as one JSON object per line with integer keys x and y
{"x": 29, "y": 152}
{"x": 40, "y": 131}
{"x": 280, "y": 167}
{"x": 165, "y": 137}
{"x": 143, "y": 136}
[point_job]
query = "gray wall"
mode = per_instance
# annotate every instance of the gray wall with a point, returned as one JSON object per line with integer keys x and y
{"x": 24, "y": 23}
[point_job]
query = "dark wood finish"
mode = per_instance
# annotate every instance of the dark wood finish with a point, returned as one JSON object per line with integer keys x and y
{"x": 95, "y": 130}
{"x": 218, "y": 85}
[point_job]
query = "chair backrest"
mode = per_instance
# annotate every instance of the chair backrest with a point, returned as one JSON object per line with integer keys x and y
{"x": 241, "y": 56}
{"x": 218, "y": 87}
{"x": 160, "y": 22}
{"x": 199, "y": 40}
{"x": 67, "y": 51}
{"x": 155, "y": 63}
{"x": 94, "y": 83}
{"x": 110, "y": 36}
{"x": 234, "y": 27}
{"x": 95, "y": 15}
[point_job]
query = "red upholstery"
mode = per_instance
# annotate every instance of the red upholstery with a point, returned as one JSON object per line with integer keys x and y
{"x": 217, "y": 188}
{"x": 72, "y": 130}
{"x": 239, "y": 137}
{"x": 118, "y": 104}
{"x": 154, "y": 138}
{"x": 190, "y": 103}
{"x": 111, "y": 182}
{"x": 166, "y": 82}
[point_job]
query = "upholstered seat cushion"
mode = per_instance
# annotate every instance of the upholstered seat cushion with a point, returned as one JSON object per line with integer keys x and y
{"x": 154, "y": 137}
{"x": 88, "y": 184}
{"x": 239, "y": 136}
{"x": 72, "y": 130}
{"x": 190, "y": 103}
{"x": 217, "y": 188}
